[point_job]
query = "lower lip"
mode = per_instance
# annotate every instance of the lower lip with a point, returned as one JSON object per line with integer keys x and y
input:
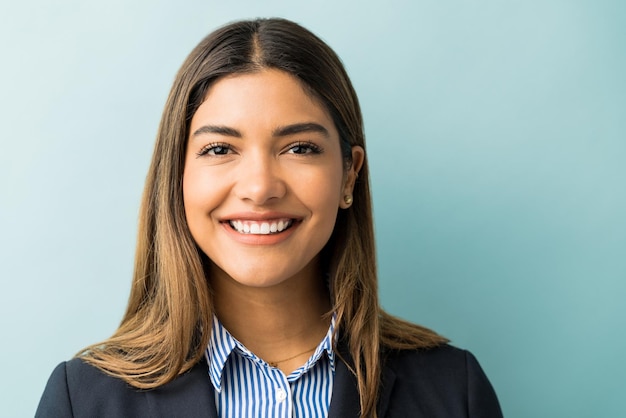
{"x": 258, "y": 239}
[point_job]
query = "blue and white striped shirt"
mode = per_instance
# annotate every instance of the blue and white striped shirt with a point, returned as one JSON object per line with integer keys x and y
{"x": 246, "y": 386}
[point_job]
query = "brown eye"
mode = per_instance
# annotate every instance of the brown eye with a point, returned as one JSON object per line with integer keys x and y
{"x": 215, "y": 149}
{"x": 302, "y": 148}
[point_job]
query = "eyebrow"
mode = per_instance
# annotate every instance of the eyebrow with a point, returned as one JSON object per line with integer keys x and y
{"x": 220, "y": 130}
{"x": 300, "y": 128}
{"x": 281, "y": 131}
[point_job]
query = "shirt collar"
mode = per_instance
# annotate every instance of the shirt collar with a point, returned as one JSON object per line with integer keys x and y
{"x": 222, "y": 344}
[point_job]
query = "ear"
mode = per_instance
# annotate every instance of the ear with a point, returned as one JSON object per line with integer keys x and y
{"x": 358, "y": 157}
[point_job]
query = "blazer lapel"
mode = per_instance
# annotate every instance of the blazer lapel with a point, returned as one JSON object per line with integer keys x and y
{"x": 189, "y": 395}
{"x": 345, "y": 400}
{"x": 388, "y": 378}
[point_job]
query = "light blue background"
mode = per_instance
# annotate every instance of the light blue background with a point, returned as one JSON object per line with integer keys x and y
{"x": 497, "y": 142}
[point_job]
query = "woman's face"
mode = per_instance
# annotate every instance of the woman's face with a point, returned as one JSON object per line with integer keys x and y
{"x": 264, "y": 178}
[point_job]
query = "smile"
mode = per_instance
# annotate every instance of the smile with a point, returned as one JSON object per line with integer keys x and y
{"x": 261, "y": 228}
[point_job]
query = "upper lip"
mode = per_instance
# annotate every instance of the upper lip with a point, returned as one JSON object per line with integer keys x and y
{"x": 258, "y": 216}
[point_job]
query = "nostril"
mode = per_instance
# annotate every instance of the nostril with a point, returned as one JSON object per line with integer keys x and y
{"x": 259, "y": 185}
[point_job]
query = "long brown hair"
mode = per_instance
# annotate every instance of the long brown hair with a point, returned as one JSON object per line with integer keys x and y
{"x": 167, "y": 323}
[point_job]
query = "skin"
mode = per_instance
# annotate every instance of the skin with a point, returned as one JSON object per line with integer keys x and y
{"x": 262, "y": 150}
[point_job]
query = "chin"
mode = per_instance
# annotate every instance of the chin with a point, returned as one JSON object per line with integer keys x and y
{"x": 259, "y": 279}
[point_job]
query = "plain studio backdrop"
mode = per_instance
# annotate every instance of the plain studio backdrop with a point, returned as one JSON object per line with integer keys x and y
{"x": 497, "y": 141}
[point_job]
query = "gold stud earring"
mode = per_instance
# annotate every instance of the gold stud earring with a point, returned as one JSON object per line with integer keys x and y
{"x": 347, "y": 199}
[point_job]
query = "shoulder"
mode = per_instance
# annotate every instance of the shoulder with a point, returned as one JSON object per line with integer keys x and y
{"x": 446, "y": 367}
{"x": 445, "y": 381}
{"x": 78, "y": 389}
{"x": 444, "y": 351}
{"x": 443, "y": 359}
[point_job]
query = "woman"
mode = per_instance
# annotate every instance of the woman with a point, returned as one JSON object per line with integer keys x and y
{"x": 255, "y": 289}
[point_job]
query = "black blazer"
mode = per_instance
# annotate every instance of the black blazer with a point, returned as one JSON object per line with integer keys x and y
{"x": 443, "y": 382}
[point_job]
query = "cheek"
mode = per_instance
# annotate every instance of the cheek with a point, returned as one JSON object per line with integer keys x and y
{"x": 190, "y": 192}
{"x": 323, "y": 190}
{"x": 199, "y": 194}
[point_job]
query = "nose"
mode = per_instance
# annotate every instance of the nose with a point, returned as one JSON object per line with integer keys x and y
{"x": 259, "y": 179}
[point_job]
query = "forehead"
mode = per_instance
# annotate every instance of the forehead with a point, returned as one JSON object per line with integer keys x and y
{"x": 268, "y": 94}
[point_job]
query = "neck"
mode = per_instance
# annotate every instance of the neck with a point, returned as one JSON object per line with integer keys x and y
{"x": 276, "y": 322}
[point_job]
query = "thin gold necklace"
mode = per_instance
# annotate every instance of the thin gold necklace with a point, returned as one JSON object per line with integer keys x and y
{"x": 276, "y": 363}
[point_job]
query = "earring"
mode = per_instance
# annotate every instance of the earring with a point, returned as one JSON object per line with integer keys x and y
{"x": 347, "y": 199}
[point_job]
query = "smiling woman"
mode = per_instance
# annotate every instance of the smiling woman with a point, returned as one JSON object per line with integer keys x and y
{"x": 264, "y": 155}
{"x": 255, "y": 288}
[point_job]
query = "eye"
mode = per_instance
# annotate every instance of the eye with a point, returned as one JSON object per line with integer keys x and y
{"x": 302, "y": 148}
{"x": 215, "y": 149}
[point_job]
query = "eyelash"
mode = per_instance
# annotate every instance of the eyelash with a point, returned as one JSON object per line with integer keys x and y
{"x": 211, "y": 147}
{"x": 308, "y": 147}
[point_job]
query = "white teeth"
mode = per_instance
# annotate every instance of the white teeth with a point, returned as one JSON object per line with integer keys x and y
{"x": 262, "y": 228}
